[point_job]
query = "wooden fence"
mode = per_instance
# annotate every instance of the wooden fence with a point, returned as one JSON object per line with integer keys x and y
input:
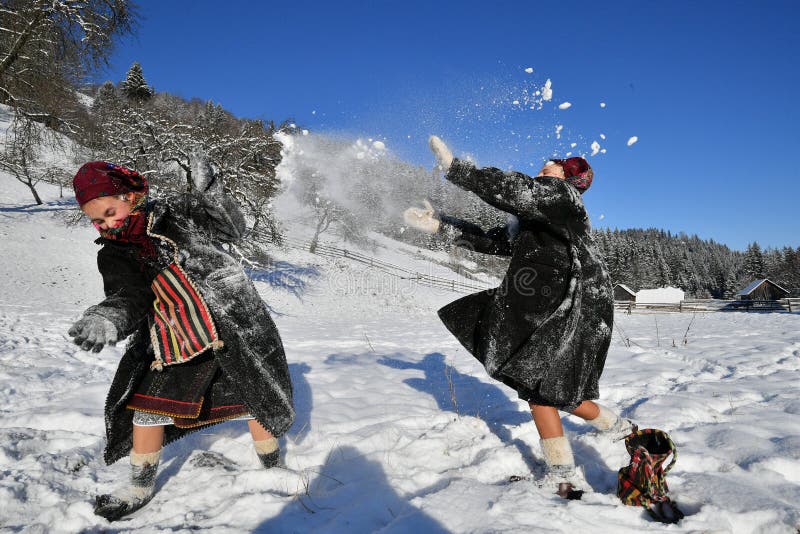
{"x": 713, "y": 305}
{"x": 397, "y": 271}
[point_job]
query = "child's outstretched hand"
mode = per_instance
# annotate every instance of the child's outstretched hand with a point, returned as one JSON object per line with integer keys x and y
{"x": 443, "y": 155}
{"x": 93, "y": 332}
{"x": 422, "y": 218}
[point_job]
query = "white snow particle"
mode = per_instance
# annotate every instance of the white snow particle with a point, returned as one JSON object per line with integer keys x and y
{"x": 378, "y": 145}
{"x": 559, "y": 127}
{"x": 529, "y": 70}
{"x": 565, "y": 105}
{"x": 602, "y": 136}
{"x": 595, "y": 148}
{"x": 547, "y": 91}
{"x": 573, "y": 145}
{"x": 305, "y": 132}
{"x": 602, "y": 104}
{"x": 632, "y": 140}
{"x": 602, "y": 216}
{"x": 516, "y": 102}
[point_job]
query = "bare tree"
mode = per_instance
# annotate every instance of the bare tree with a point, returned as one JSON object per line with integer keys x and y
{"x": 46, "y": 45}
{"x": 21, "y": 155}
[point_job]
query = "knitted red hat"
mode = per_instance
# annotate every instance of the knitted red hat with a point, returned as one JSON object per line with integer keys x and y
{"x": 577, "y": 171}
{"x": 101, "y": 179}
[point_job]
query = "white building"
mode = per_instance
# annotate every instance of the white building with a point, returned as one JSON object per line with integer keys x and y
{"x": 662, "y": 295}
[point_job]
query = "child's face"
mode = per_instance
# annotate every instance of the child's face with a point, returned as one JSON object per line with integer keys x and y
{"x": 108, "y": 212}
{"x": 552, "y": 169}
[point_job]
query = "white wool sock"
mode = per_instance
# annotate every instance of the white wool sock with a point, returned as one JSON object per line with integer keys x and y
{"x": 266, "y": 446}
{"x": 557, "y": 451}
{"x": 604, "y": 420}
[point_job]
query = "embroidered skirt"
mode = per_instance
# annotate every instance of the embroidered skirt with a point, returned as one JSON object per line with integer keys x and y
{"x": 191, "y": 394}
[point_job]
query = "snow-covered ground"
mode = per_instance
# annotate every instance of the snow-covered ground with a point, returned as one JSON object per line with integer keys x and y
{"x": 398, "y": 429}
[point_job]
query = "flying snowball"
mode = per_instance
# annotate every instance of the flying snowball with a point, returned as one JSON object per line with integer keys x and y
{"x": 632, "y": 140}
{"x": 602, "y": 104}
{"x": 565, "y": 105}
{"x": 529, "y": 70}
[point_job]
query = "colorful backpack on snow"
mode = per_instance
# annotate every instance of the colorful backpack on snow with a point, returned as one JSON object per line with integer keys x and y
{"x": 643, "y": 482}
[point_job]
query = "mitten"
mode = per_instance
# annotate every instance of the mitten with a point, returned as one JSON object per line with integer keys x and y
{"x": 422, "y": 218}
{"x": 93, "y": 332}
{"x": 443, "y": 155}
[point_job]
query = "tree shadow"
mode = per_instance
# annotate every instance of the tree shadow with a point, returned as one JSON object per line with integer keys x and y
{"x": 350, "y": 494}
{"x": 48, "y": 207}
{"x": 463, "y": 394}
{"x": 284, "y": 275}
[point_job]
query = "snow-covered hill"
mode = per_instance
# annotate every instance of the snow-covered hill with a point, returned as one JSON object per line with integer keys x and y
{"x": 398, "y": 429}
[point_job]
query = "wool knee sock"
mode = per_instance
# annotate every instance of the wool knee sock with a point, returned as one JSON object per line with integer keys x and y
{"x": 268, "y": 452}
{"x": 137, "y": 493}
{"x": 561, "y": 474}
{"x": 557, "y": 452}
{"x": 608, "y": 422}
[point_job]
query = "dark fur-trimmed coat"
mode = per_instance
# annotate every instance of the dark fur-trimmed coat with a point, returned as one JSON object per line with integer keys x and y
{"x": 252, "y": 355}
{"x": 546, "y": 330}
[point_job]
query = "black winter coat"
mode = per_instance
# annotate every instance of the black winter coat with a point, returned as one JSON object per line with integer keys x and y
{"x": 252, "y": 355}
{"x": 545, "y": 331}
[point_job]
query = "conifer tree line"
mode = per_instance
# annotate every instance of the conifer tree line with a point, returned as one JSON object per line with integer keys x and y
{"x": 48, "y": 48}
{"x": 644, "y": 259}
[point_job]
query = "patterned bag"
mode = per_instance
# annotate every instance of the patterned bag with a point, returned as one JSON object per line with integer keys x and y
{"x": 643, "y": 482}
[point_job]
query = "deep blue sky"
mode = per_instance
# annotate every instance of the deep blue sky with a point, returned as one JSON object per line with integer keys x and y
{"x": 709, "y": 87}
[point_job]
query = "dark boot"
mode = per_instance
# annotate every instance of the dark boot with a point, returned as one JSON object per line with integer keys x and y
{"x": 133, "y": 496}
{"x": 268, "y": 452}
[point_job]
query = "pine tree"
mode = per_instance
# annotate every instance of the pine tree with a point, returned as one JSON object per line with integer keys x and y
{"x": 754, "y": 267}
{"x": 134, "y": 86}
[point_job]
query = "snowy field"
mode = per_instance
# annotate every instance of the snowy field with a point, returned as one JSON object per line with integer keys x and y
{"x": 398, "y": 429}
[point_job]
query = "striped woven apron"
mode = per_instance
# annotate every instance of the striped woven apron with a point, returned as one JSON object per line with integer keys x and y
{"x": 181, "y": 325}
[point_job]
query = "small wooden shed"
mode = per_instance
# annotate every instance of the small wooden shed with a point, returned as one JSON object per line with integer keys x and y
{"x": 623, "y": 293}
{"x": 764, "y": 289}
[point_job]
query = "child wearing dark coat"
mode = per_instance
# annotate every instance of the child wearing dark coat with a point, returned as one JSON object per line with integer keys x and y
{"x": 203, "y": 348}
{"x": 546, "y": 330}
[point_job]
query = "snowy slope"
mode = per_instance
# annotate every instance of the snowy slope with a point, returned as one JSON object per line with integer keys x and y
{"x": 398, "y": 429}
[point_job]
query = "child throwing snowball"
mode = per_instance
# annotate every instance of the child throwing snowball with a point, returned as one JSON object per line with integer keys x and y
{"x": 546, "y": 329}
{"x": 203, "y": 348}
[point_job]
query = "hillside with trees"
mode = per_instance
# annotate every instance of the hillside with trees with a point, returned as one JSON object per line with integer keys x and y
{"x": 50, "y": 49}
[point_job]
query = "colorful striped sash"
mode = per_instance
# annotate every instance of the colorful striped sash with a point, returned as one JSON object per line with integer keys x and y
{"x": 182, "y": 326}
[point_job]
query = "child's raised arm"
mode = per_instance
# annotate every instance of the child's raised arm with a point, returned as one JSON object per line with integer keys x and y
{"x": 543, "y": 199}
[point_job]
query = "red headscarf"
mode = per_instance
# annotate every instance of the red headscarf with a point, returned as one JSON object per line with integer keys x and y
{"x": 577, "y": 171}
{"x": 100, "y": 179}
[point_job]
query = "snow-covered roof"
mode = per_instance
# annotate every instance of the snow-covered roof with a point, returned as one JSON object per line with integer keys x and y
{"x": 661, "y": 295}
{"x": 626, "y": 288}
{"x": 749, "y": 289}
